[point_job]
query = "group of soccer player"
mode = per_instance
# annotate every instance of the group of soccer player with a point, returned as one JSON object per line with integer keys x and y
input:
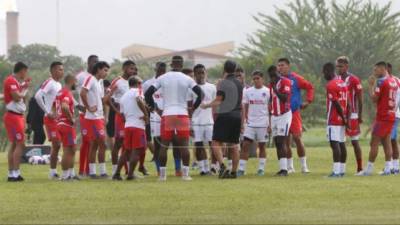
{"x": 227, "y": 118}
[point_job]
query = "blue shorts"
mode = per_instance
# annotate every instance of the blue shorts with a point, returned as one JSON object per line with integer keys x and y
{"x": 393, "y": 135}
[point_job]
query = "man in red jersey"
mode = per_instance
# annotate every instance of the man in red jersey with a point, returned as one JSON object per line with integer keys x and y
{"x": 15, "y": 89}
{"x": 85, "y": 145}
{"x": 336, "y": 104}
{"x": 280, "y": 88}
{"x": 66, "y": 127}
{"x": 355, "y": 102}
{"x": 383, "y": 91}
{"x": 393, "y": 136}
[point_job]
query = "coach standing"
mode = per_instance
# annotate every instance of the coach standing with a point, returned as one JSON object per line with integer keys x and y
{"x": 228, "y": 124}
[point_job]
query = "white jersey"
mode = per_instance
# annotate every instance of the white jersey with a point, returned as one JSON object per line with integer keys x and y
{"x": 130, "y": 109}
{"x": 120, "y": 86}
{"x": 175, "y": 89}
{"x": 80, "y": 78}
{"x": 94, "y": 97}
{"x": 205, "y": 116}
{"x": 46, "y": 95}
{"x": 157, "y": 96}
{"x": 257, "y": 99}
{"x": 397, "y": 96}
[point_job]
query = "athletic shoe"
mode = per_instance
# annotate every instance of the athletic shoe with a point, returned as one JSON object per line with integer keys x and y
{"x": 178, "y": 173}
{"x": 76, "y": 178}
{"x": 103, "y": 176}
{"x": 395, "y": 172}
{"x": 222, "y": 171}
{"x": 240, "y": 173}
{"x": 385, "y": 173}
{"x": 10, "y": 179}
{"x": 359, "y": 173}
{"x": 342, "y": 174}
{"x": 186, "y": 178}
{"x": 202, "y": 173}
{"x": 291, "y": 170}
{"x": 232, "y": 175}
{"x": 117, "y": 177}
{"x": 334, "y": 175}
{"x": 54, "y": 176}
{"x": 226, "y": 174}
{"x": 65, "y": 179}
{"x": 93, "y": 176}
{"x": 363, "y": 174}
{"x": 19, "y": 178}
{"x": 213, "y": 171}
{"x": 305, "y": 170}
{"x": 143, "y": 170}
{"x": 130, "y": 178}
{"x": 282, "y": 173}
{"x": 260, "y": 172}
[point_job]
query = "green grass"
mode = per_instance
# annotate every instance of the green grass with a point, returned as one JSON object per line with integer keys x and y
{"x": 297, "y": 199}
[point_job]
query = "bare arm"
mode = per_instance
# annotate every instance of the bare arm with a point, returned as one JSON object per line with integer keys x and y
{"x": 143, "y": 108}
{"x": 65, "y": 109}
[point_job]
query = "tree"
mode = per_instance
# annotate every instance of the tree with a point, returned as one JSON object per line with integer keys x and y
{"x": 36, "y": 56}
{"x": 311, "y": 33}
{"x": 72, "y": 64}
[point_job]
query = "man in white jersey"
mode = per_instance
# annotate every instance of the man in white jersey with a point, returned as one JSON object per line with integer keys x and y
{"x": 155, "y": 116}
{"x": 92, "y": 94}
{"x": 175, "y": 120}
{"x": 85, "y": 142}
{"x": 45, "y": 97}
{"x": 119, "y": 86}
{"x": 256, "y": 119}
{"x": 202, "y": 119}
{"x": 133, "y": 109}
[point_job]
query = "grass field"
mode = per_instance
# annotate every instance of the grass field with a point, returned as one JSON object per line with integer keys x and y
{"x": 297, "y": 199}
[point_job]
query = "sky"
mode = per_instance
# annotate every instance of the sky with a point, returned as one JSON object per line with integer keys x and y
{"x": 104, "y": 27}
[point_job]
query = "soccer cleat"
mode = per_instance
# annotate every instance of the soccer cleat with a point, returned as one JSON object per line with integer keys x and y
{"x": 291, "y": 170}
{"x": 305, "y": 170}
{"x": 342, "y": 174}
{"x": 93, "y": 176}
{"x": 359, "y": 173}
{"x": 282, "y": 173}
{"x": 334, "y": 175}
{"x": 232, "y": 175}
{"x": 363, "y": 174}
{"x": 178, "y": 173}
{"x": 54, "y": 176}
{"x": 130, "y": 178}
{"x": 187, "y": 178}
{"x": 221, "y": 171}
{"x": 202, "y": 173}
{"x": 213, "y": 171}
{"x": 385, "y": 173}
{"x": 226, "y": 174}
{"x": 75, "y": 178}
{"x": 103, "y": 176}
{"x": 117, "y": 177}
{"x": 395, "y": 172}
{"x": 65, "y": 179}
{"x": 240, "y": 173}
{"x": 11, "y": 179}
{"x": 144, "y": 171}
{"x": 260, "y": 173}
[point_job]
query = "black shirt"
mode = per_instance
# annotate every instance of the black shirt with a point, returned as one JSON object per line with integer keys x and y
{"x": 231, "y": 91}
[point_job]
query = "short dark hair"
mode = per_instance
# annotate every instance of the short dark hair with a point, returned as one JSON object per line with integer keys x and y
{"x": 91, "y": 57}
{"x": 128, "y": 63}
{"x": 161, "y": 64}
{"x": 177, "y": 59}
{"x": 239, "y": 69}
{"x": 198, "y": 66}
{"x": 389, "y": 66}
{"x": 230, "y": 66}
{"x": 272, "y": 70}
{"x": 381, "y": 64}
{"x": 68, "y": 78}
{"x": 285, "y": 60}
{"x": 98, "y": 66}
{"x": 187, "y": 71}
{"x": 19, "y": 66}
{"x": 134, "y": 81}
{"x": 54, "y": 64}
{"x": 343, "y": 60}
{"x": 106, "y": 83}
{"x": 257, "y": 73}
{"x": 329, "y": 67}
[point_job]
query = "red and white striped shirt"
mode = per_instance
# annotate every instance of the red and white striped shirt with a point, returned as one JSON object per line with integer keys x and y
{"x": 283, "y": 86}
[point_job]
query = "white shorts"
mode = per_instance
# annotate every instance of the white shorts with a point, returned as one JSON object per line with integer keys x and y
{"x": 336, "y": 133}
{"x": 258, "y": 134}
{"x": 155, "y": 128}
{"x": 202, "y": 133}
{"x": 280, "y": 125}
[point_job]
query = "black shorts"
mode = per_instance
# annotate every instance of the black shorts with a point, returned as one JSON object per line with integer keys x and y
{"x": 227, "y": 128}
